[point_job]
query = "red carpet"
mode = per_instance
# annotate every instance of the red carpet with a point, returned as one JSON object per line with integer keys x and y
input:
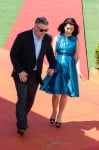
{"x": 56, "y": 11}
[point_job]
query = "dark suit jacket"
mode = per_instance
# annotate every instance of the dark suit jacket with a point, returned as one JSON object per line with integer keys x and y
{"x": 23, "y": 57}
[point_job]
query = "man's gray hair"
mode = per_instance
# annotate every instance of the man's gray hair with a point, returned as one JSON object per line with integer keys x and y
{"x": 41, "y": 20}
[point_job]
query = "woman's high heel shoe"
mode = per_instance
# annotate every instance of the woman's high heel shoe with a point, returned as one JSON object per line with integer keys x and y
{"x": 52, "y": 121}
{"x": 58, "y": 124}
{"x": 53, "y": 117}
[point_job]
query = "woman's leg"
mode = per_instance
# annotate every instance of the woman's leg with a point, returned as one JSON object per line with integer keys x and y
{"x": 55, "y": 102}
{"x": 62, "y": 104}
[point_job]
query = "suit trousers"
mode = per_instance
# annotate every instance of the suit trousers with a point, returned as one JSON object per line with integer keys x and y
{"x": 26, "y": 94}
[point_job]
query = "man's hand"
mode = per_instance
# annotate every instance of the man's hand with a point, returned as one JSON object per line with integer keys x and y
{"x": 23, "y": 76}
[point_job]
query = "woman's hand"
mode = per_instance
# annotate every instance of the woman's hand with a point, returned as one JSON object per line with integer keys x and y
{"x": 78, "y": 70}
{"x": 50, "y": 72}
{"x": 80, "y": 75}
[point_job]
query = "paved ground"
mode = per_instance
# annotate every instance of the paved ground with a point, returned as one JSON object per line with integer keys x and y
{"x": 80, "y": 127}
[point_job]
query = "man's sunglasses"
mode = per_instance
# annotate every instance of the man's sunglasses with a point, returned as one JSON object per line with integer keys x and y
{"x": 42, "y": 30}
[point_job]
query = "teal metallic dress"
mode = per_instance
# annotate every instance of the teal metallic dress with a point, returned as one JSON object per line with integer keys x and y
{"x": 64, "y": 80}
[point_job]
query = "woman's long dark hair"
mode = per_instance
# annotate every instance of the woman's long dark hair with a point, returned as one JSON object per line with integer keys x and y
{"x": 70, "y": 21}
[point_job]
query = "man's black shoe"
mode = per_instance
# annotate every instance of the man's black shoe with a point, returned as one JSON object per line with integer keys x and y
{"x": 21, "y": 131}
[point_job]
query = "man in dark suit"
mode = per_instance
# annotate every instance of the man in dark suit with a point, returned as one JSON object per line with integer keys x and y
{"x": 27, "y": 54}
